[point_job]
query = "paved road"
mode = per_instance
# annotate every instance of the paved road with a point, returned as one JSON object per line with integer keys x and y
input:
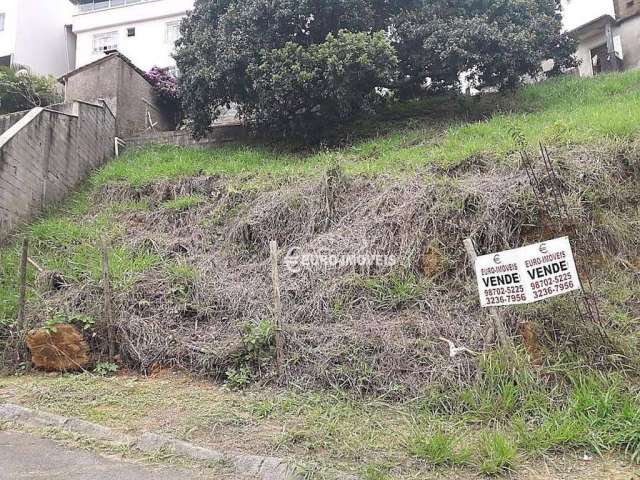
{"x": 24, "y": 456}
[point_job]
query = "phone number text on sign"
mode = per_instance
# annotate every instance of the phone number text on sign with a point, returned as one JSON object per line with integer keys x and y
{"x": 528, "y": 274}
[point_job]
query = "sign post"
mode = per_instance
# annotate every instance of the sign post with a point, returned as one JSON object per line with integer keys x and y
{"x": 499, "y": 323}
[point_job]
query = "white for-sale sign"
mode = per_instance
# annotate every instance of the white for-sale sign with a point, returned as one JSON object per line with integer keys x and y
{"x": 528, "y": 274}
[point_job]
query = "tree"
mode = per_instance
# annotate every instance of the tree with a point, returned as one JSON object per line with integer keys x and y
{"x": 273, "y": 58}
{"x": 494, "y": 42}
{"x": 224, "y": 40}
{"x": 22, "y": 90}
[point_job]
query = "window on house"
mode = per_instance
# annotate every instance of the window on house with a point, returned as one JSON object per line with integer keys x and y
{"x": 103, "y": 42}
{"x": 85, "y": 5}
{"x": 131, "y": 32}
{"x": 2, "y": 22}
{"x": 101, "y": 4}
{"x": 91, "y": 5}
{"x": 172, "y": 33}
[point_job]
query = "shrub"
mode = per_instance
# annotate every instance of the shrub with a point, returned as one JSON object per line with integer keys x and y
{"x": 299, "y": 89}
{"x": 165, "y": 90}
{"x": 493, "y": 43}
{"x": 22, "y": 90}
{"x": 105, "y": 369}
{"x": 239, "y": 378}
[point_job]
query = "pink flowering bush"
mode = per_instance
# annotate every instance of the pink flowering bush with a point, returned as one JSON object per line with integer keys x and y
{"x": 165, "y": 89}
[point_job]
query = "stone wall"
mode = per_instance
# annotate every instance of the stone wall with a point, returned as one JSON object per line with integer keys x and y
{"x": 219, "y": 134}
{"x": 46, "y": 154}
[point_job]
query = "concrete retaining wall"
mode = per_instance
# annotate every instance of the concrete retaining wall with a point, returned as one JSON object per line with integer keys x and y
{"x": 7, "y": 121}
{"x": 47, "y": 153}
{"x": 219, "y": 134}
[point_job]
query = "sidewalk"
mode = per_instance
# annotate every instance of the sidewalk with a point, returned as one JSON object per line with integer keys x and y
{"x": 24, "y": 456}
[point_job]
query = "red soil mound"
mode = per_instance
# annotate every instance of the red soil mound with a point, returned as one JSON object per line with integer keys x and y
{"x": 58, "y": 349}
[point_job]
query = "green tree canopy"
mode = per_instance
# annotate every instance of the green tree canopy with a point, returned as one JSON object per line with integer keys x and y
{"x": 291, "y": 65}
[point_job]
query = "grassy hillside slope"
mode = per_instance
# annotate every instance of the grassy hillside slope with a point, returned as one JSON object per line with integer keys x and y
{"x": 434, "y": 132}
{"x": 189, "y": 233}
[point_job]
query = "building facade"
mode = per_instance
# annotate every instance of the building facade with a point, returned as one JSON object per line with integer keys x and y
{"x": 144, "y": 31}
{"x": 608, "y": 43}
{"x": 37, "y": 34}
{"x": 122, "y": 86}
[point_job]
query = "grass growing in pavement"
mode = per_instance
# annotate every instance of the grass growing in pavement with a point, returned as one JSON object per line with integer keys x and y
{"x": 509, "y": 418}
{"x": 199, "y": 469}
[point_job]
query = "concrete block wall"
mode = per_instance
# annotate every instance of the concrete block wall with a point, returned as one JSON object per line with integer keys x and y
{"x": 6, "y": 121}
{"x": 219, "y": 135}
{"x": 136, "y": 101}
{"x": 46, "y": 154}
{"x": 115, "y": 80}
{"x": 629, "y": 31}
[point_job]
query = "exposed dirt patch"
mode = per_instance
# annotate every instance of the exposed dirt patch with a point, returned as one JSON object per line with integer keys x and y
{"x": 59, "y": 348}
{"x": 573, "y": 467}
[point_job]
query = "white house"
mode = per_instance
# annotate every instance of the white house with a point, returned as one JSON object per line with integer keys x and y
{"x": 143, "y": 30}
{"x": 610, "y": 43}
{"x": 36, "y": 33}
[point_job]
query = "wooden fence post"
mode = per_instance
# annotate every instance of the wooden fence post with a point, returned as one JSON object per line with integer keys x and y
{"x": 106, "y": 288}
{"x": 277, "y": 305}
{"x": 497, "y": 319}
{"x": 22, "y": 295}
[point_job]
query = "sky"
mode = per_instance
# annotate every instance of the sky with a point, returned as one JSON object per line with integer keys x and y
{"x": 578, "y": 12}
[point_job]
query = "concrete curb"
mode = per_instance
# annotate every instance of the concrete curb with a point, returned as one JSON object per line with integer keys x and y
{"x": 265, "y": 468}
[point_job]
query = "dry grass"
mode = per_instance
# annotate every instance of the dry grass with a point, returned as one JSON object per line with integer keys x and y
{"x": 203, "y": 303}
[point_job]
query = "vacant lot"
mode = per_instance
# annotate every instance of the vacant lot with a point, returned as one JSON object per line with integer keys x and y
{"x": 368, "y": 385}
